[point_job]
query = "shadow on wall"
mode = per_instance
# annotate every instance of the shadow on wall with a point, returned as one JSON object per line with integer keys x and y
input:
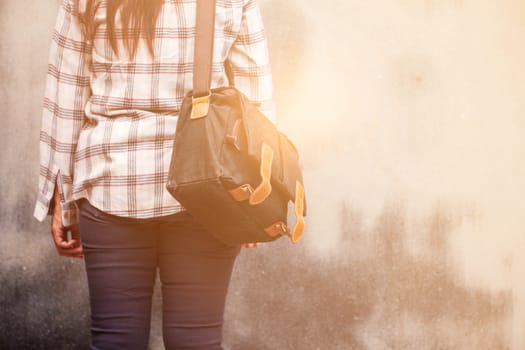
{"x": 377, "y": 295}
{"x": 45, "y": 309}
{"x": 374, "y": 293}
{"x": 43, "y": 297}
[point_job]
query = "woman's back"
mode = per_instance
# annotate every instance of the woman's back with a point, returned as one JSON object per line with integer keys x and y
{"x": 117, "y": 108}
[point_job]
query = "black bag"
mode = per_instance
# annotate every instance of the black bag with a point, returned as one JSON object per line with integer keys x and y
{"x": 231, "y": 168}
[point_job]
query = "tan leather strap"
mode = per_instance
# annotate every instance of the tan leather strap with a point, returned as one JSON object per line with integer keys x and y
{"x": 264, "y": 189}
{"x": 298, "y": 228}
{"x": 203, "y": 49}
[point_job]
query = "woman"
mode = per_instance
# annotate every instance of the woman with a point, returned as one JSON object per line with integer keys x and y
{"x": 117, "y": 75}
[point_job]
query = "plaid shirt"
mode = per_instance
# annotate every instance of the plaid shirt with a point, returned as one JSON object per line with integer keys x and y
{"x": 109, "y": 122}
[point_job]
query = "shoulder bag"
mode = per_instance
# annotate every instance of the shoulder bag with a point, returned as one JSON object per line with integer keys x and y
{"x": 231, "y": 168}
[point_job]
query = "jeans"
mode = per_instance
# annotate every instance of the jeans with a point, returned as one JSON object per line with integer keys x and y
{"x": 122, "y": 256}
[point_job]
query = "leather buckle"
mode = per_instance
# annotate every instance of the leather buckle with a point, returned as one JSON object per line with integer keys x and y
{"x": 200, "y": 106}
{"x": 241, "y": 193}
{"x": 277, "y": 229}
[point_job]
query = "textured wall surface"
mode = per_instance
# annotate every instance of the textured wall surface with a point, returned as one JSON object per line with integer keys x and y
{"x": 410, "y": 118}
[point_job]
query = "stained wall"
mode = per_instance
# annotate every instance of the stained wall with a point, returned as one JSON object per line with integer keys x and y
{"x": 409, "y": 116}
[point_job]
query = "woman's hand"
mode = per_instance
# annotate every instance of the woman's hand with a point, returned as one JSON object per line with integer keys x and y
{"x": 251, "y": 245}
{"x": 65, "y": 247}
{"x": 248, "y": 246}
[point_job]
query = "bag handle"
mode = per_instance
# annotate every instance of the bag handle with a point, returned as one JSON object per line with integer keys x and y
{"x": 203, "y": 49}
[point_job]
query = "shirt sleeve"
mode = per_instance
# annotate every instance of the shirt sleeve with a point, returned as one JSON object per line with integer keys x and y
{"x": 66, "y": 94}
{"x": 249, "y": 60}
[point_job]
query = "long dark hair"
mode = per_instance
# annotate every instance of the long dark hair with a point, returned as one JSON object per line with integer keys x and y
{"x": 138, "y": 19}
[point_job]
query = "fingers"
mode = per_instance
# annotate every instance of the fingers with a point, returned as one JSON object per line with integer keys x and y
{"x": 71, "y": 252}
{"x": 67, "y": 247}
{"x": 75, "y": 236}
{"x": 70, "y": 247}
{"x": 252, "y": 245}
{"x": 248, "y": 246}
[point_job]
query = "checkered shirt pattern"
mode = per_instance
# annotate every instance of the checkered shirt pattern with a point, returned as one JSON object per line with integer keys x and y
{"x": 109, "y": 121}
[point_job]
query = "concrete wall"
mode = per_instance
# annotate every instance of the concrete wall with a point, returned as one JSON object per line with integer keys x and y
{"x": 410, "y": 118}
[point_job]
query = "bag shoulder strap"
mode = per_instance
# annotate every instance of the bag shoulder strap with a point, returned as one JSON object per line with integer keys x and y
{"x": 203, "y": 50}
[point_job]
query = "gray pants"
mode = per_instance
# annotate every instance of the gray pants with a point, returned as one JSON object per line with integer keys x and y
{"x": 122, "y": 257}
